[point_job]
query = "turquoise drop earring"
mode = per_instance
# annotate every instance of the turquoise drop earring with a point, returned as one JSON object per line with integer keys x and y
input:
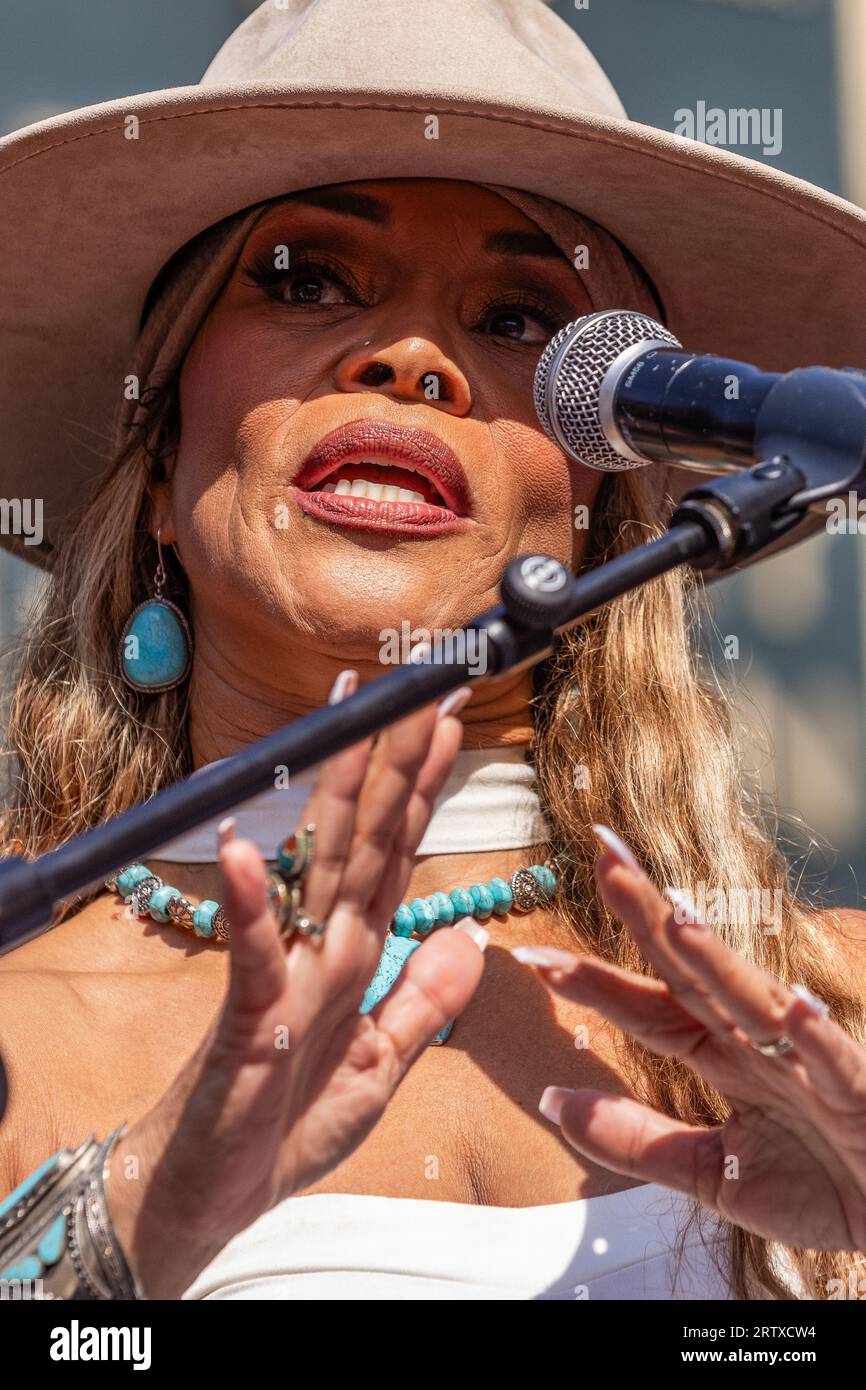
{"x": 155, "y": 649}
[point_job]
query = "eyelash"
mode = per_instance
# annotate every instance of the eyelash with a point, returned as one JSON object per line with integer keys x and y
{"x": 262, "y": 273}
{"x": 525, "y": 303}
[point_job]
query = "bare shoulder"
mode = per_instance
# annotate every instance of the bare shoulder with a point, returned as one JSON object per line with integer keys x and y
{"x": 43, "y": 992}
{"x": 847, "y": 922}
{"x": 42, "y": 1014}
{"x": 32, "y": 1109}
{"x": 89, "y": 939}
{"x": 97, "y": 1016}
{"x": 52, "y": 992}
{"x": 846, "y": 928}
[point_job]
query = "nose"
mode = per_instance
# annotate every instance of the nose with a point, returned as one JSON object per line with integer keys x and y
{"x": 413, "y": 369}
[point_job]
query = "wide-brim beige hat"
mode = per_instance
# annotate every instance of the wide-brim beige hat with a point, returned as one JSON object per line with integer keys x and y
{"x": 748, "y": 261}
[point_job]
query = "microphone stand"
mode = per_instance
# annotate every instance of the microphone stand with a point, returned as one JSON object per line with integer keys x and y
{"x": 718, "y": 524}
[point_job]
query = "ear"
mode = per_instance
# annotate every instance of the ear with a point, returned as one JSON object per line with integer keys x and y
{"x": 161, "y": 512}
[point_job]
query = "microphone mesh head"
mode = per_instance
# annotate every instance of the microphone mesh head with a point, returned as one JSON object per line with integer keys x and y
{"x": 569, "y": 377}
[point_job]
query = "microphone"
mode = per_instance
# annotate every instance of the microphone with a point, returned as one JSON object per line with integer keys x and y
{"x": 615, "y": 390}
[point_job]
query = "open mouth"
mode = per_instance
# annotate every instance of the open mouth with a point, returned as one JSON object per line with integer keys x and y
{"x": 381, "y": 480}
{"x": 372, "y": 474}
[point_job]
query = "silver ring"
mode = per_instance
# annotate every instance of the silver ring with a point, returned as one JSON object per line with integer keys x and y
{"x": 308, "y": 926}
{"x": 778, "y": 1048}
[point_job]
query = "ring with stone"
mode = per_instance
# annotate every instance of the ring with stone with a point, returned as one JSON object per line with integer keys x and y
{"x": 777, "y": 1048}
{"x": 295, "y": 857}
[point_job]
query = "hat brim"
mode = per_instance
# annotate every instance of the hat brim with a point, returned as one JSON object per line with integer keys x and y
{"x": 750, "y": 262}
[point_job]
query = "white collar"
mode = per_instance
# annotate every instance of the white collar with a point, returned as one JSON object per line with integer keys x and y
{"x": 489, "y": 801}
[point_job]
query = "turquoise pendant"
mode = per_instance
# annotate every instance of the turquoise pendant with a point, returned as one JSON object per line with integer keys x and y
{"x": 155, "y": 648}
{"x": 396, "y": 952}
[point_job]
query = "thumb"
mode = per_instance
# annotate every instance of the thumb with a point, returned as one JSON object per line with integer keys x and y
{"x": 258, "y": 955}
{"x": 631, "y": 1138}
{"x": 436, "y": 983}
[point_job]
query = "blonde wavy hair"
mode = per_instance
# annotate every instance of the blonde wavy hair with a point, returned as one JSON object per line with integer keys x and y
{"x": 620, "y": 696}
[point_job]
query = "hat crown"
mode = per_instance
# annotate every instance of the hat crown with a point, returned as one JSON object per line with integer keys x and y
{"x": 502, "y": 51}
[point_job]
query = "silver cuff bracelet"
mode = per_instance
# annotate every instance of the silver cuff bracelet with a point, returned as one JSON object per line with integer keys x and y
{"x": 56, "y": 1235}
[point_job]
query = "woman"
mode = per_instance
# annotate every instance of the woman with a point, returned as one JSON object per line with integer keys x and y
{"x": 308, "y": 342}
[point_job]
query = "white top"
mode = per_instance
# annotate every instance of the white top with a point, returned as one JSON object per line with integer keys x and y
{"x": 340, "y": 1246}
{"x": 489, "y": 801}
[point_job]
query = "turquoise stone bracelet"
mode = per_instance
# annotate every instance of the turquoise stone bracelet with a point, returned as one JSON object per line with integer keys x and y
{"x": 145, "y": 892}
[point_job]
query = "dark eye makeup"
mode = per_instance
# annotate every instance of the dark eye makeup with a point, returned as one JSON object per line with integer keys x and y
{"x": 259, "y": 271}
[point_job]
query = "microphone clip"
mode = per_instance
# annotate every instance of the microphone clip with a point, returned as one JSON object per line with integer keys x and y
{"x": 743, "y": 513}
{"x": 810, "y": 435}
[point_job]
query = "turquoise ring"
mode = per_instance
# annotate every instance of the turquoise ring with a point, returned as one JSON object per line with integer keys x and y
{"x": 295, "y": 857}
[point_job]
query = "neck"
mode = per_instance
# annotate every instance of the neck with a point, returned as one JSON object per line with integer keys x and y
{"x": 227, "y": 714}
{"x": 232, "y": 707}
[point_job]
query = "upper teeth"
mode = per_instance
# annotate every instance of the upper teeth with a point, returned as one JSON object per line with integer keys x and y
{"x": 376, "y": 492}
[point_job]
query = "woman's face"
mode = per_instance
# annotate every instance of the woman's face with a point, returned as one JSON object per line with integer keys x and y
{"x": 411, "y": 316}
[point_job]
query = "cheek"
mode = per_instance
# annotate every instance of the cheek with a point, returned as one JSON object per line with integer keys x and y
{"x": 550, "y": 498}
{"x": 220, "y": 384}
{"x": 229, "y": 460}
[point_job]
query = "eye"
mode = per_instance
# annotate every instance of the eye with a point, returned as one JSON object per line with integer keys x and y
{"x": 522, "y": 319}
{"x": 308, "y": 281}
{"x": 314, "y": 284}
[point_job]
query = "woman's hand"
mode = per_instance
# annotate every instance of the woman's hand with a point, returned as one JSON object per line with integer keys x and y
{"x": 790, "y": 1162}
{"x": 291, "y": 1077}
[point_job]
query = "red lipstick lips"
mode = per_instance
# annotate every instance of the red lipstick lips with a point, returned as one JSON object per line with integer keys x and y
{"x": 417, "y": 459}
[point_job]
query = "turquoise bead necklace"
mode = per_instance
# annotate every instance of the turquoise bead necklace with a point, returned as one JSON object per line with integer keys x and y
{"x": 146, "y": 893}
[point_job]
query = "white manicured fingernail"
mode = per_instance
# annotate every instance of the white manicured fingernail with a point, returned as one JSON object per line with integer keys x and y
{"x": 474, "y": 930}
{"x": 685, "y": 912}
{"x": 226, "y": 830}
{"x": 552, "y": 1101}
{"x": 346, "y": 684}
{"x": 611, "y": 841}
{"x": 811, "y": 1000}
{"x": 453, "y": 702}
{"x": 548, "y": 957}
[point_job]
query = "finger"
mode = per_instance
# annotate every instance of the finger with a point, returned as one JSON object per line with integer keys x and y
{"x": 649, "y": 1012}
{"x": 643, "y": 1007}
{"x": 756, "y": 1001}
{"x": 629, "y": 893}
{"x": 834, "y": 1061}
{"x": 331, "y": 808}
{"x": 391, "y": 776}
{"x": 444, "y": 747}
{"x": 827, "y": 1083}
{"x": 636, "y": 1140}
{"x": 258, "y": 958}
{"x": 434, "y": 986}
{"x": 693, "y": 958}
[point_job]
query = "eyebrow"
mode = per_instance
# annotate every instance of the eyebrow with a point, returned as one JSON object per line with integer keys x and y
{"x": 351, "y": 204}
{"x": 513, "y": 243}
{"x": 503, "y": 243}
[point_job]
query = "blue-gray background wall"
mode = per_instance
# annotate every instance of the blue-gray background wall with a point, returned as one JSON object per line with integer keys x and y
{"x": 799, "y": 674}
{"x": 799, "y": 619}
